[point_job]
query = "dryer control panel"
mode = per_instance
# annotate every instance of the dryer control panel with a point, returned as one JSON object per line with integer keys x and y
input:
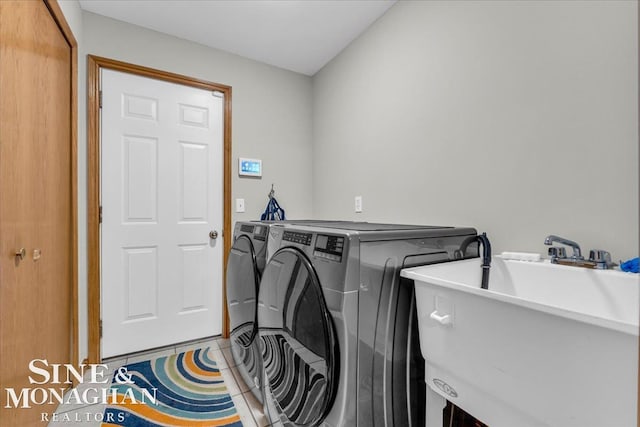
{"x": 329, "y": 247}
{"x": 259, "y": 232}
{"x": 297, "y": 237}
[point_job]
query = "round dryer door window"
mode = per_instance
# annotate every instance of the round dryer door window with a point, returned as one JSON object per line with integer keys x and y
{"x": 242, "y": 290}
{"x": 300, "y": 351}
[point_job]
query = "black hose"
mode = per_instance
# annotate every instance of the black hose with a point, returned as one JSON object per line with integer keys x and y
{"x": 483, "y": 240}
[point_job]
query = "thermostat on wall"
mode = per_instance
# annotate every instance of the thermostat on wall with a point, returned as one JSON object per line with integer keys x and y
{"x": 249, "y": 167}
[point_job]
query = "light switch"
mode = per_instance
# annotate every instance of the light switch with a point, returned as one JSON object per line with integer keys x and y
{"x": 239, "y": 205}
{"x": 358, "y": 202}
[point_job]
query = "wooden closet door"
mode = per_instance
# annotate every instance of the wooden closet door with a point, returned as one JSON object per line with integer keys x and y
{"x": 35, "y": 203}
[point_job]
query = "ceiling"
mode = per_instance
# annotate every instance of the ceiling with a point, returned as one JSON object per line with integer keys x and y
{"x": 298, "y": 35}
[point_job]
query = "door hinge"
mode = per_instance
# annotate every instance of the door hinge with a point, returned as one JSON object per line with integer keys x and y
{"x": 100, "y": 99}
{"x": 100, "y": 215}
{"x": 100, "y": 328}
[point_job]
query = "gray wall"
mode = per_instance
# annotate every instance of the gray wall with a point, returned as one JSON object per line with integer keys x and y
{"x": 271, "y": 107}
{"x": 518, "y": 118}
{"x": 271, "y": 117}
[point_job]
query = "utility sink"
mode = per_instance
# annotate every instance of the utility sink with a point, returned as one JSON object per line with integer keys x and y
{"x": 545, "y": 345}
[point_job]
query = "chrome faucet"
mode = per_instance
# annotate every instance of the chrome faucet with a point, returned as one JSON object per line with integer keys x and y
{"x": 602, "y": 259}
{"x": 598, "y": 258}
{"x": 577, "y": 253}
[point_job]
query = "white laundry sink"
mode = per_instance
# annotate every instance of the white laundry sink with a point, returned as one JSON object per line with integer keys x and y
{"x": 545, "y": 345}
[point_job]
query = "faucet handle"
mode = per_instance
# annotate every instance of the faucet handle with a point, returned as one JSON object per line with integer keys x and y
{"x": 601, "y": 257}
{"x": 557, "y": 253}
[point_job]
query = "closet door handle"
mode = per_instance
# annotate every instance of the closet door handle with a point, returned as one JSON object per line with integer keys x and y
{"x": 20, "y": 254}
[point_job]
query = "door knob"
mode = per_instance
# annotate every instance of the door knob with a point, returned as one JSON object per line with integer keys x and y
{"x": 21, "y": 253}
{"x": 213, "y": 235}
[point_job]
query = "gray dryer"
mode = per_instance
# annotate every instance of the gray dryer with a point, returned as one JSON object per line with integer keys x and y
{"x": 250, "y": 250}
{"x": 337, "y": 323}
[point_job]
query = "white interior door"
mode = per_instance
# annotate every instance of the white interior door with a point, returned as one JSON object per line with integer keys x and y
{"x": 161, "y": 197}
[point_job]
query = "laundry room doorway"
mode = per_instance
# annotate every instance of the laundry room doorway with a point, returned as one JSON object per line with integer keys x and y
{"x": 162, "y": 194}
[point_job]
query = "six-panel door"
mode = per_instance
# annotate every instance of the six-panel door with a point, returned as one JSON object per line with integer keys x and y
{"x": 161, "y": 197}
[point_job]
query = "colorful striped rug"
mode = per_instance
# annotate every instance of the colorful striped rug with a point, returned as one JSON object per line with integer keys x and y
{"x": 185, "y": 389}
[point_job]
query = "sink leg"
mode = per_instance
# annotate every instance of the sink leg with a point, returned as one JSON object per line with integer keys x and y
{"x": 434, "y": 406}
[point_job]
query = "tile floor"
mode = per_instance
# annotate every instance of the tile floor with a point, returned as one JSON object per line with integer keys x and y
{"x": 248, "y": 407}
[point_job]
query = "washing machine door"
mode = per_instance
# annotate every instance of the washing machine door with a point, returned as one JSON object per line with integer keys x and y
{"x": 300, "y": 350}
{"x": 243, "y": 281}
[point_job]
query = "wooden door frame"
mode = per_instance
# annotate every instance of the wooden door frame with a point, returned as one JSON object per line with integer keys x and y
{"x": 65, "y": 29}
{"x": 94, "y": 65}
